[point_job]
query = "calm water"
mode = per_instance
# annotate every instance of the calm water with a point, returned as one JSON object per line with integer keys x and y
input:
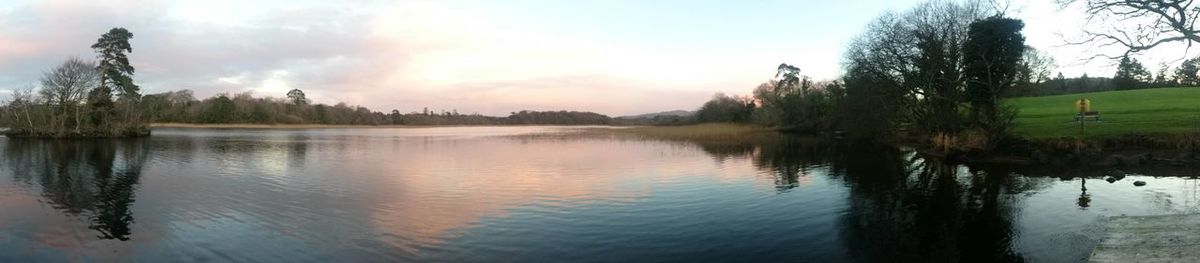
{"x": 521, "y": 194}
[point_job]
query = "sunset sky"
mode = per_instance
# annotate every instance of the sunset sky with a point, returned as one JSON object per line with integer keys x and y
{"x": 614, "y": 57}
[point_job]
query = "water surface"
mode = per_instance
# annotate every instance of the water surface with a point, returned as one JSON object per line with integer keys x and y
{"x": 520, "y": 194}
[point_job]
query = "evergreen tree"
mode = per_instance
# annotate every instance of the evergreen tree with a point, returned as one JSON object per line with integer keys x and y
{"x": 1084, "y": 82}
{"x": 992, "y": 55}
{"x": 116, "y": 77}
{"x": 1130, "y": 74}
{"x": 297, "y": 97}
{"x": 100, "y": 102}
{"x": 1161, "y": 79}
{"x": 1186, "y": 75}
{"x": 116, "y": 72}
{"x": 1062, "y": 82}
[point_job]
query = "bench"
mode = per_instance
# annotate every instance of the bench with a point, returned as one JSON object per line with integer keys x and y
{"x": 1089, "y": 114}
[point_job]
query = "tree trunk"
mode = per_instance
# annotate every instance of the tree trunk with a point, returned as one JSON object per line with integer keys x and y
{"x": 77, "y": 122}
{"x": 27, "y": 118}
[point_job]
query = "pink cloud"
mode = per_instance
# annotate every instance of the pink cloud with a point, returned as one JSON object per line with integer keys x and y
{"x": 407, "y": 56}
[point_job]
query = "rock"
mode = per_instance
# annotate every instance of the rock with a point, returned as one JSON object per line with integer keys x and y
{"x": 1139, "y": 183}
{"x": 1114, "y": 176}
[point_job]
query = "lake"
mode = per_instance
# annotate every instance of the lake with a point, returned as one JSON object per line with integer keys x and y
{"x": 527, "y": 194}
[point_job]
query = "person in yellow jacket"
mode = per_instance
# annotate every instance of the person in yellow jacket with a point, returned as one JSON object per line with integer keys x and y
{"x": 1083, "y": 105}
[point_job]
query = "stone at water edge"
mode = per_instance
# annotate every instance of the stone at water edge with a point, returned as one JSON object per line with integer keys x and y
{"x": 1114, "y": 176}
{"x": 1139, "y": 183}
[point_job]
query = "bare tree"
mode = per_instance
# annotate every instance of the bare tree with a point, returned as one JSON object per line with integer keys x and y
{"x": 22, "y": 100}
{"x": 1138, "y": 25}
{"x": 919, "y": 53}
{"x": 1036, "y": 65}
{"x": 66, "y": 86}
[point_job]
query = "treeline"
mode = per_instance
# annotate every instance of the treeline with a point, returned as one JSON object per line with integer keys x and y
{"x": 76, "y": 99}
{"x": 1062, "y": 85}
{"x": 182, "y": 107}
{"x": 81, "y": 98}
{"x": 935, "y": 74}
{"x": 1131, "y": 74}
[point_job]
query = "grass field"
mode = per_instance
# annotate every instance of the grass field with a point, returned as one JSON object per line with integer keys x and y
{"x": 1145, "y": 112}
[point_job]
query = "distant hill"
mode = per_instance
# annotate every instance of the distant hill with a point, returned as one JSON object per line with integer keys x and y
{"x": 674, "y": 113}
{"x": 676, "y": 117}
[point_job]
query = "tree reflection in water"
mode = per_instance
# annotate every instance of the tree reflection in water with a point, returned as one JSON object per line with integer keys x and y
{"x": 786, "y": 158}
{"x": 902, "y": 207}
{"x": 92, "y": 178}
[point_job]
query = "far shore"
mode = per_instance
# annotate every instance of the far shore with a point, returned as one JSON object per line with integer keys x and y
{"x": 1129, "y": 149}
{"x": 282, "y": 126}
{"x": 324, "y": 126}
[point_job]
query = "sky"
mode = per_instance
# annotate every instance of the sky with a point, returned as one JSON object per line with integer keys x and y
{"x": 616, "y": 57}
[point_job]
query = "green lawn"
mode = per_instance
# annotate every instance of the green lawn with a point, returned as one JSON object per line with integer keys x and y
{"x": 1146, "y": 111}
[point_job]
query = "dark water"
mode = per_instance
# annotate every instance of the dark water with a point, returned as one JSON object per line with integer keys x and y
{"x": 522, "y": 194}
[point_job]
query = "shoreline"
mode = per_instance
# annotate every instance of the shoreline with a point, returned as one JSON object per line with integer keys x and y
{"x": 1111, "y": 150}
{"x": 335, "y": 126}
{"x": 270, "y": 126}
{"x": 1129, "y": 150}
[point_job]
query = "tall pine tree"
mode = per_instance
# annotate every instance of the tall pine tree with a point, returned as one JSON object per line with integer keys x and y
{"x": 114, "y": 66}
{"x": 116, "y": 74}
{"x": 1130, "y": 74}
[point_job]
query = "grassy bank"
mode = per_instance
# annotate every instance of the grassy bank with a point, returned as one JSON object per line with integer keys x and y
{"x": 1163, "y": 111}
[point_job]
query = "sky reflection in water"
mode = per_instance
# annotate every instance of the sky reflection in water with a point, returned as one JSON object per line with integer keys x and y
{"x": 542, "y": 193}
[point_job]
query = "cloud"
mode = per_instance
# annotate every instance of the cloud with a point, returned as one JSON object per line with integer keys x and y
{"x": 581, "y": 93}
{"x": 405, "y": 55}
{"x": 473, "y": 58}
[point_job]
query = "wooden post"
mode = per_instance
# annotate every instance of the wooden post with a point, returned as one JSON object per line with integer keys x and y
{"x": 1080, "y": 116}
